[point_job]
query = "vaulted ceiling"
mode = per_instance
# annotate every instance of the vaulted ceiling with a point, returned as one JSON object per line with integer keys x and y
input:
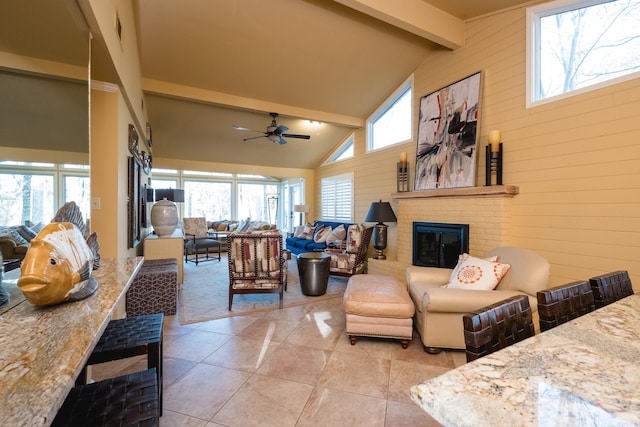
{"x": 210, "y": 65}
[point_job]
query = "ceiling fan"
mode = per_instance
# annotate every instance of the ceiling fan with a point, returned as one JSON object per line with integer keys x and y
{"x": 274, "y": 132}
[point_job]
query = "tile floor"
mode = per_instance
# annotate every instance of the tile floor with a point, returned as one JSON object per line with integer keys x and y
{"x": 289, "y": 367}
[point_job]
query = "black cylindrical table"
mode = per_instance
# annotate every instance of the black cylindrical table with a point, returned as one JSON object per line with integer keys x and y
{"x": 313, "y": 268}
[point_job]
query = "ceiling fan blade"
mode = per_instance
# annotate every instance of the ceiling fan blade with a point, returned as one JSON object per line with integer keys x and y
{"x": 281, "y": 129}
{"x": 282, "y": 141}
{"x": 243, "y": 128}
{"x": 253, "y": 137}
{"x": 293, "y": 135}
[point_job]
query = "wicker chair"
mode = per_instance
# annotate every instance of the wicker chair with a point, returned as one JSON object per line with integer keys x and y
{"x": 610, "y": 287}
{"x": 565, "y": 302}
{"x": 257, "y": 264}
{"x": 497, "y": 326}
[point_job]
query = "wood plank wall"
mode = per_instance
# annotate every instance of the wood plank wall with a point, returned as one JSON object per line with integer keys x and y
{"x": 576, "y": 161}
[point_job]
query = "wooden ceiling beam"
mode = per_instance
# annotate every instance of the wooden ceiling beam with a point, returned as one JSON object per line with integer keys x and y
{"x": 415, "y": 16}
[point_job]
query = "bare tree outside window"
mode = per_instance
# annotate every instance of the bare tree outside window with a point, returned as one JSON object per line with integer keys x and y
{"x": 586, "y": 46}
{"x": 26, "y": 197}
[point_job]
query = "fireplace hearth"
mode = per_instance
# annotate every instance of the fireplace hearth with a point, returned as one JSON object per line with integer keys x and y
{"x": 439, "y": 244}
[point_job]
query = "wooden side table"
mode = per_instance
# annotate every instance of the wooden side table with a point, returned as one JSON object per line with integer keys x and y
{"x": 166, "y": 247}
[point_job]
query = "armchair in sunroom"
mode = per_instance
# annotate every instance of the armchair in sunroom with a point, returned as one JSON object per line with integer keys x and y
{"x": 257, "y": 264}
{"x": 197, "y": 239}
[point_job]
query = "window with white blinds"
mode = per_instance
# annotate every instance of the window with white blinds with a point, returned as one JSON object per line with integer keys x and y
{"x": 337, "y": 198}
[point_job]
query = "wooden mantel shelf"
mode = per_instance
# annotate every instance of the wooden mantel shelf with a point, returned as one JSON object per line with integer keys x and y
{"x": 488, "y": 191}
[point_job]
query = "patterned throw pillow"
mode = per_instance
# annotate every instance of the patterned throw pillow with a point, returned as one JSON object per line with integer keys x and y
{"x": 339, "y": 233}
{"x": 477, "y": 273}
{"x": 321, "y": 233}
{"x": 466, "y": 256}
{"x": 307, "y": 233}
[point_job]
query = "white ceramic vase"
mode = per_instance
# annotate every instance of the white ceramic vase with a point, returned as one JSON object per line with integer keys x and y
{"x": 164, "y": 217}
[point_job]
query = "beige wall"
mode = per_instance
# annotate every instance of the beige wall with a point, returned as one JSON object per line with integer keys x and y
{"x": 575, "y": 161}
{"x": 123, "y": 53}
{"x": 109, "y": 172}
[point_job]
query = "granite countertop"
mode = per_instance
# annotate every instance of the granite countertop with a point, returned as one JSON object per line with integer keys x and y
{"x": 582, "y": 373}
{"x": 43, "y": 349}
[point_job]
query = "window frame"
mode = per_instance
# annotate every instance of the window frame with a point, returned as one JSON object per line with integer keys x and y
{"x": 384, "y": 108}
{"x": 349, "y": 142}
{"x": 326, "y": 193}
{"x": 533, "y": 16}
{"x": 57, "y": 172}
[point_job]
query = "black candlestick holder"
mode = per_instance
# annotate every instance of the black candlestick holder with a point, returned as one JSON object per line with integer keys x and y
{"x": 403, "y": 177}
{"x": 493, "y": 164}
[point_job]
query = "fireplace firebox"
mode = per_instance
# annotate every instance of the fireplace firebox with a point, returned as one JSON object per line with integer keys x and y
{"x": 439, "y": 244}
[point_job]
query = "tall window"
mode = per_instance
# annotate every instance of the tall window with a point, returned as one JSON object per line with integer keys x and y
{"x": 26, "y": 197}
{"x": 208, "y": 199}
{"x": 391, "y": 124}
{"x": 162, "y": 183}
{"x": 337, "y": 198}
{"x": 580, "y": 45}
{"x": 257, "y": 201}
{"x": 78, "y": 189}
{"x": 33, "y": 191}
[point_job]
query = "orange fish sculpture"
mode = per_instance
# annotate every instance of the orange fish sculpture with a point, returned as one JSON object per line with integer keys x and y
{"x": 59, "y": 263}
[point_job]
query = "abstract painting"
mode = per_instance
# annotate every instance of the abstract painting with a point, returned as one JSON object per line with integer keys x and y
{"x": 447, "y": 146}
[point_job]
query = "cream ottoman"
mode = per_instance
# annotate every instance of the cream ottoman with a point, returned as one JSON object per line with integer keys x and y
{"x": 378, "y": 306}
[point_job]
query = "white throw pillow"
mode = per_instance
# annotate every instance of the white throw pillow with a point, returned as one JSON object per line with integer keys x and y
{"x": 298, "y": 230}
{"x": 307, "y": 232}
{"x": 477, "y": 273}
{"x": 321, "y": 234}
{"x": 338, "y": 234}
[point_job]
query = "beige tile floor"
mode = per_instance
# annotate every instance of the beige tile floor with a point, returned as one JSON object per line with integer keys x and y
{"x": 289, "y": 367}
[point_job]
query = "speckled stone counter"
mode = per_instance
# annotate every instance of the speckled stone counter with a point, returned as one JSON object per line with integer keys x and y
{"x": 43, "y": 349}
{"x": 582, "y": 373}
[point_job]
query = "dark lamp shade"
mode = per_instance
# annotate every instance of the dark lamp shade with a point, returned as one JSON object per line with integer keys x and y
{"x": 174, "y": 195}
{"x": 380, "y": 212}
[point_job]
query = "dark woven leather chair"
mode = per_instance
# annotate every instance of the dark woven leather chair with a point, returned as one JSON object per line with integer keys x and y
{"x": 128, "y": 400}
{"x": 610, "y": 287}
{"x": 562, "y": 303}
{"x": 129, "y": 337}
{"x": 497, "y": 326}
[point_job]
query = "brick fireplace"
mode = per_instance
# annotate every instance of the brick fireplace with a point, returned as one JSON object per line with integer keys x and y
{"x": 487, "y": 210}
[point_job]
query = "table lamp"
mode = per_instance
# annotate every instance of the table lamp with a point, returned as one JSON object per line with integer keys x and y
{"x": 380, "y": 212}
{"x": 301, "y": 209}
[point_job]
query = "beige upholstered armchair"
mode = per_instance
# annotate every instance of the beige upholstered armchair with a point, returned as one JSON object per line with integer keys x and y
{"x": 439, "y": 311}
{"x": 256, "y": 264}
{"x": 351, "y": 260}
{"x": 197, "y": 239}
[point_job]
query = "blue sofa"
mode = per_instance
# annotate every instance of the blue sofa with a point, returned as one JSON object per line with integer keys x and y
{"x": 298, "y": 245}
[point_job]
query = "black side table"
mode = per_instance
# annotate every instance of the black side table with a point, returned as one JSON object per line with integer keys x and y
{"x": 313, "y": 268}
